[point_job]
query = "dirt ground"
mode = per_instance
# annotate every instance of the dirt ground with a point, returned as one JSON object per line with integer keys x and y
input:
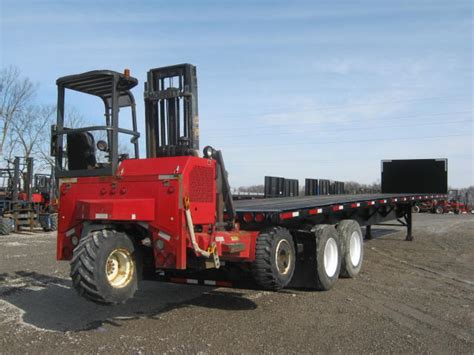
{"x": 410, "y": 297}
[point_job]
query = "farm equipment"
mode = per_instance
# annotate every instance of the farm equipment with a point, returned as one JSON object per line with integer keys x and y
{"x": 171, "y": 215}
{"x": 454, "y": 203}
{"x": 26, "y": 201}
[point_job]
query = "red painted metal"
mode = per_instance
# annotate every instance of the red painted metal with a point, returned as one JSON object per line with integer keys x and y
{"x": 150, "y": 192}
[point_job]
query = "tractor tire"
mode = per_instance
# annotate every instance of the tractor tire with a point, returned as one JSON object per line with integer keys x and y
{"x": 54, "y": 222}
{"x": 104, "y": 267}
{"x": 328, "y": 256}
{"x": 415, "y": 209}
{"x": 352, "y": 245}
{"x": 49, "y": 222}
{"x": 6, "y": 225}
{"x": 275, "y": 259}
{"x": 439, "y": 210}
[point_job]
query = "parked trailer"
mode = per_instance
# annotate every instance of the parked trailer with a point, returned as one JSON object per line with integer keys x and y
{"x": 172, "y": 213}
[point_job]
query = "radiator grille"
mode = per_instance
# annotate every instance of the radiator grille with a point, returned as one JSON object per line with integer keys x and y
{"x": 200, "y": 184}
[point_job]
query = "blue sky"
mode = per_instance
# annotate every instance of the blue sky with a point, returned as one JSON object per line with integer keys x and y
{"x": 320, "y": 89}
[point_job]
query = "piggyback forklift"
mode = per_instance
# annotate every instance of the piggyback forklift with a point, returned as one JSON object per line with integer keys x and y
{"x": 123, "y": 218}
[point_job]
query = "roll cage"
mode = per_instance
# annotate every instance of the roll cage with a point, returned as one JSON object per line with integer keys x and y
{"x": 79, "y": 159}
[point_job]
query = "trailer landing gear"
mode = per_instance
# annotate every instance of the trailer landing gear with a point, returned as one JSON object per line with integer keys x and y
{"x": 368, "y": 232}
{"x": 408, "y": 223}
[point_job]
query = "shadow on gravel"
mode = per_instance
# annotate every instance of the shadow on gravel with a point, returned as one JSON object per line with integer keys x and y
{"x": 381, "y": 232}
{"x": 50, "y": 303}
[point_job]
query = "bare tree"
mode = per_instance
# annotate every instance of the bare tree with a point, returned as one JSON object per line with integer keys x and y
{"x": 15, "y": 94}
{"x": 253, "y": 188}
{"x": 31, "y": 128}
{"x": 352, "y": 187}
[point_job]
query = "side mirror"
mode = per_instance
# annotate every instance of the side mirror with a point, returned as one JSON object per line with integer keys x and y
{"x": 102, "y": 146}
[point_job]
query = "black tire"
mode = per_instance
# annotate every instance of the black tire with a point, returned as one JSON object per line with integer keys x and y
{"x": 326, "y": 276}
{"x": 6, "y": 225}
{"x": 439, "y": 210}
{"x": 415, "y": 209}
{"x": 90, "y": 260}
{"x": 54, "y": 222}
{"x": 352, "y": 255}
{"x": 268, "y": 272}
{"x": 49, "y": 222}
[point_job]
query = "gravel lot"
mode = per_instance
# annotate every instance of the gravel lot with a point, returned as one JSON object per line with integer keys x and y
{"x": 410, "y": 297}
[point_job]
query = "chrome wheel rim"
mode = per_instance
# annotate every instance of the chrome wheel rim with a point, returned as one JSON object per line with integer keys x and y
{"x": 330, "y": 257}
{"x": 283, "y": 257}
{"x": 119, "y": 268}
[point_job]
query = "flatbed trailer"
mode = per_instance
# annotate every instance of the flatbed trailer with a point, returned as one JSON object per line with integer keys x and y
{"x": 172, "y": 213}
{"x": 367, "y": 209}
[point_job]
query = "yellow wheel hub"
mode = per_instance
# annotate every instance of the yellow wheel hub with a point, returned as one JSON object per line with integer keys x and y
{"x": 119, "y": 268}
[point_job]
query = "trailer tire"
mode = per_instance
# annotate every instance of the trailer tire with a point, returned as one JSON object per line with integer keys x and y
{"x": 352, "y": 245}
{"x": 6, "y": 225}
{"x": 328, "y": 256}
{"x": 275, "y": 259}
{"x": 104, "y": 267}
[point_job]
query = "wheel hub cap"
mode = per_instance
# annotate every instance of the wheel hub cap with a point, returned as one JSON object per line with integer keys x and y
{"x": 355, "y": 248}
{"x": 330, "y": 257}
{"x": 119, "y": 268}
{"x": 283, "y": 256}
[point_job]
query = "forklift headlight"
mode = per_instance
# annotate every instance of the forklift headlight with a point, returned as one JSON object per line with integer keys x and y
{"x": 208, "y": 152}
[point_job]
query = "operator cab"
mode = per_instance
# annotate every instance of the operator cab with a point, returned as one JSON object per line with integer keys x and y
{"x": 81, "y": 154}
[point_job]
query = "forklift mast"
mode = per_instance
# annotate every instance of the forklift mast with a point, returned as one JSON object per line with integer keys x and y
{"x": 171, "y": 111}
{"x": 18, "y": 179}
{"x": 172, "y": 126}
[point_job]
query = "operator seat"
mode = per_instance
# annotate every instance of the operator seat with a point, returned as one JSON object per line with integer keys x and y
{"x": 81, "y": 151}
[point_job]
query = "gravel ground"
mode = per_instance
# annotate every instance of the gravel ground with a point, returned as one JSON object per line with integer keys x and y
{"x": 410, "y": 297}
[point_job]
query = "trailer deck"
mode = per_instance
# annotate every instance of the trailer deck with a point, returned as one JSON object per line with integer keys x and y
{"x": 285, "y": 204}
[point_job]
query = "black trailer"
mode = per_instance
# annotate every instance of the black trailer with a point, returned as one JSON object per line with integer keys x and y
{"x": 367, "y": 210}
{"x": 404, "y": 183}
{"x": 331, "y": 221}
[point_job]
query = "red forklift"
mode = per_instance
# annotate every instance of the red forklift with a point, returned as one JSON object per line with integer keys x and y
{"x": 26, "y": 200}
{"x": 171, "y": 215}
